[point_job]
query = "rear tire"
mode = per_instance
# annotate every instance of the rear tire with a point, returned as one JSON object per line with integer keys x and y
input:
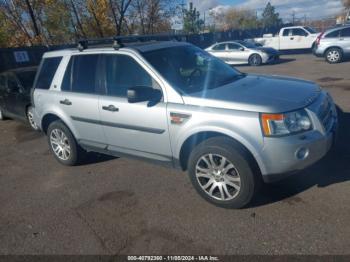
{"x": 63, "y": 144}
{"x": 30, "y": 118}
{"x": 222, "y": 174}
{"x": 334, "y": 55}
{"x": 255, "y": 60}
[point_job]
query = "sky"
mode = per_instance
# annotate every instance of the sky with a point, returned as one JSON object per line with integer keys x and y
{"x": 312, "y": 9}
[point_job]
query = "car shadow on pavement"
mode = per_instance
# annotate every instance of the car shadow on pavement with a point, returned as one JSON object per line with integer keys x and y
{"x": 334, "y": 168}
{"x": 94, "y": 158}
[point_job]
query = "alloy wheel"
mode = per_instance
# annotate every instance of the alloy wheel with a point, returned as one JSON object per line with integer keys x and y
{"x": 218, "y": 177}
{"x": 30, "y": 116}
{"x": 60, "y": 144}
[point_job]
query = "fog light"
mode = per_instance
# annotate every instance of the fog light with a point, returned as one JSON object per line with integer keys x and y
{"x": 302, "y": 153}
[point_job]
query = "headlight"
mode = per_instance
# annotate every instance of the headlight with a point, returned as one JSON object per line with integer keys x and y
{"x": 285, "y": 124}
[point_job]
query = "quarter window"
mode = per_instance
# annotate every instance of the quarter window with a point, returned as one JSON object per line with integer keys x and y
{"x": 122, "y": 72}
{"x": 47, "y": 72}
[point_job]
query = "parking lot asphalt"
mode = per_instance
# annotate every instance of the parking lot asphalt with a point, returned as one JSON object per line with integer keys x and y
{"x": 120, "y": 206}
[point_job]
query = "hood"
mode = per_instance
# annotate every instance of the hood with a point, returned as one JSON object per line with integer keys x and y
{"x": 258, "y": 93}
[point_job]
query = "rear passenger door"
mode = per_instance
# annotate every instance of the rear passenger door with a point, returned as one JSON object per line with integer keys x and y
{"x": 78, "y": 99}
{"x": 219, "y": 51}
{"x": 237, "y": 54}
{"x": 139, "y": 129}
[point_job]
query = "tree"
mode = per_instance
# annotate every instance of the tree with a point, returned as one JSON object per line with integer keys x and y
{"x": 346, "y": 3}
{"x": 119, "y": 18}
{"x": 239, "y": 19}
{"x": 192, "y": 23}
{"x": 269, "y": 17}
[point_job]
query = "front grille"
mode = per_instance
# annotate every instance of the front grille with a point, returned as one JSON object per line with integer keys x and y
{"x": 325, "y": 114}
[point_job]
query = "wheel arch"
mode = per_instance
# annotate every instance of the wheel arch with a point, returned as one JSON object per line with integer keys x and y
{"x": 337, "y": 47}
{"x": 193, "y": 140}
{"x": 48, "y": 118}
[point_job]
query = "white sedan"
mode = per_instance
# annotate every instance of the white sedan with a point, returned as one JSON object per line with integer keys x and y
{"x": 243, "y": 52}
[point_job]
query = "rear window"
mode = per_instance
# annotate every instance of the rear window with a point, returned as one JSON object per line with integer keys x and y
{"x": 47, "y": 72}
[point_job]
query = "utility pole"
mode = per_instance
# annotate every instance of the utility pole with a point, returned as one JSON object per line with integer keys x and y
{"x": 305, "y": 20}
{"x": 293, "y": 17}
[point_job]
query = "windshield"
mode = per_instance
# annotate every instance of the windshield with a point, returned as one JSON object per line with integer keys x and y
{"x": 310, "y": 29}
{"x": 190, "y": 69}
{"x": 26, "y": 78}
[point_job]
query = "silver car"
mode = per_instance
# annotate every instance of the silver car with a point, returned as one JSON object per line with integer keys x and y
{"x": 243, "y": 52}
{"x": 174, "y": 104}
{"x": 334, "y": 44}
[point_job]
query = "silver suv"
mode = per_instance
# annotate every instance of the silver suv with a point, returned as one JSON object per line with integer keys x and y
{"x": 333, "y": 44}
{"x": 175, "y": 104}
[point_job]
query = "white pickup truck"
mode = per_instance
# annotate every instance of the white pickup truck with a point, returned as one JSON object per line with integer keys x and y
{"x": 294, "y": 37}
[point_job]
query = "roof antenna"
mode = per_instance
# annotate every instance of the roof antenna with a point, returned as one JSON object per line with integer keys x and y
{"x": 82, "y": 45}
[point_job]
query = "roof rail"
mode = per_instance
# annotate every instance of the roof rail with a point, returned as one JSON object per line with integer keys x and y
{"x": 119, "y": 41}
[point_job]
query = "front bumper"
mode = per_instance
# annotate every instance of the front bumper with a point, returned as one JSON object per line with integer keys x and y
{"x": 287, "y": 155}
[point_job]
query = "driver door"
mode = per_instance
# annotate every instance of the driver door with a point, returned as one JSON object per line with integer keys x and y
{"x": 141, "y": 128}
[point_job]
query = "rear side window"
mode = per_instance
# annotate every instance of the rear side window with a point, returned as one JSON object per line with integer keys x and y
{"x": 47, "y": 72}
{"x": 81, "y": 74}
{"x": 219, "y": 47}
{"x": 333, "y": 34}
{"x": 345, "y": 32}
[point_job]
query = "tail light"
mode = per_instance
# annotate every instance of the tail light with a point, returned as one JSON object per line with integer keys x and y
{"x": 318, "y": 39}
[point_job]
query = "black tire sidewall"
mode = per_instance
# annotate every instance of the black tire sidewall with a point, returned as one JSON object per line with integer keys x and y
{"x": 251, "y": 57}
{"x": 73, "y": 158}
{"x": 340, "y": 55}
{"x": 248, "y": 180}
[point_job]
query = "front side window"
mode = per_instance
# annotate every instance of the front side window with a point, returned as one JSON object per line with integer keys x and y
{"x": 26, "y": 78}
{"x": 190, "y": 69}
{"x": 12, "y": 83}
{"x": 123, "y": 72}
{"x": 81, "y": 74}
{"x": 47, "y": 72}
{"x": 345, "y": 32}
{"x": 2, "y": 82}
{"x": 299, "y": 32}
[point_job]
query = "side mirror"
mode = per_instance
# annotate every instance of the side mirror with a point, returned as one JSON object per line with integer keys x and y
{"x": 143, "y": 93}
{"x": 241, "y": 49}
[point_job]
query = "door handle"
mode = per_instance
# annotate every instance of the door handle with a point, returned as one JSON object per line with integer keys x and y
{"x": 111, "y": 108}
{"x": 66, "y": 102}
{"x": 292, "y": 38}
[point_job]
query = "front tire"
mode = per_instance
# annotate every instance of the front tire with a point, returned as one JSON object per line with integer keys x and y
{"x": 30, "y": 118}
{"x": 63, "y": 144}
{"x": 221, "y": 173}
{"x": 334, "y": 55}
{"x": 255, "y": 60}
